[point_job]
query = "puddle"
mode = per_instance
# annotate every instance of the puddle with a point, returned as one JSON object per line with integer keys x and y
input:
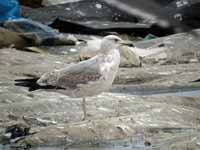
{"x": 181, "y": 93}
{"x": 168, "y": 93}
{"x": 161, "y": 92}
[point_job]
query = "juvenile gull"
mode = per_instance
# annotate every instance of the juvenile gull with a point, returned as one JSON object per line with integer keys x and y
{"x": 90, "y": 77}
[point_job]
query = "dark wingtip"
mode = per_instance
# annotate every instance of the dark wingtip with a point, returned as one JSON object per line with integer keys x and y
{"x": 198, "y": 80}
{"x": 27, "y": 80}
{"x": 31, "y": 84}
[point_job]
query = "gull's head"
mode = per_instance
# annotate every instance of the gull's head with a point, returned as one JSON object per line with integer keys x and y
{"x": 111, "y": 42}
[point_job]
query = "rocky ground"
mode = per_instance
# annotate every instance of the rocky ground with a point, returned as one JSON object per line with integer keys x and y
{"x": 124, "y": 118}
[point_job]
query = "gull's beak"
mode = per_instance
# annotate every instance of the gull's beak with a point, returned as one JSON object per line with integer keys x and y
{"x": 127, "y": 43}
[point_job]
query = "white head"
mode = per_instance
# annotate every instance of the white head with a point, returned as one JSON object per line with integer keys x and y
{"x": 110, "y": 42}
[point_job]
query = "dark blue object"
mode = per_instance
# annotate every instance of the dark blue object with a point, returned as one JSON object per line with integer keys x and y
{"x": 9, "y": 9}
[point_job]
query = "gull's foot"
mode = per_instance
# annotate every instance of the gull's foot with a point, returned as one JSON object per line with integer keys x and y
{"x": 84, "y": 110}
{"x": 84, "y": 117}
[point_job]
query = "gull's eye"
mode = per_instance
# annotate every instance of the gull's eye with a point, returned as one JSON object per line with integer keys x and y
{"x": 116, "y": 40}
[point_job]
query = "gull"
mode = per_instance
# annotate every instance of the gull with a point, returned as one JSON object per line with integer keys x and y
{"x": 90, "y": 77}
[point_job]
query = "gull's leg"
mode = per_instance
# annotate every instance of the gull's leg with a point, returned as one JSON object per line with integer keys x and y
{"x": 84, "y": 109}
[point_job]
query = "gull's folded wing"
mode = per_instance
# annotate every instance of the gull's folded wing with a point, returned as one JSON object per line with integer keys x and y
{"x": 73, "y": 75}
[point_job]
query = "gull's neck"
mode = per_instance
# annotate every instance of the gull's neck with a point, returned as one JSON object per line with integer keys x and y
{"x": 107, "y": 51}
{"x": 111, "y": 55}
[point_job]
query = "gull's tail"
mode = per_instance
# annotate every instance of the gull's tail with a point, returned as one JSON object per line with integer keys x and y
{"x": 32, "y": 85}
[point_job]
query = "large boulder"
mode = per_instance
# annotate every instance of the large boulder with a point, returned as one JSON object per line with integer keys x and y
{"x": 11, "y": 39}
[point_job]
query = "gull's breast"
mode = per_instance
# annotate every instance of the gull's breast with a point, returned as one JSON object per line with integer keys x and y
{"x": 108, "y": 68}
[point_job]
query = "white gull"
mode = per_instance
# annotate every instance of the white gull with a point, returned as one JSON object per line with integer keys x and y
{"x": 90, "y": 77}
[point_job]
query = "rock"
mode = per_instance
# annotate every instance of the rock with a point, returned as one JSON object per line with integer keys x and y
{"x": 124, "y": 116}
{"x": 37, "y": 121}
{"x": 89, "y": 17}
{"x": 128, "y": 57}
{"x": 11, "y": 39}
{"x": 31, "y": 3}
{"x": 37, "y": 33}
{"x": 14, "y": 133}
{"x": 173, "y": 49}
{"x": 115, "y": 117}
{"x": 152, "y": 55}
